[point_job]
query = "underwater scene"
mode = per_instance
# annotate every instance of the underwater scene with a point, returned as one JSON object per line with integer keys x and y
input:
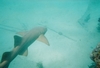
{"x": 49, "y": 33}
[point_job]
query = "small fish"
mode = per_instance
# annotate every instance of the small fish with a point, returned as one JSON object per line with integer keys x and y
{"x": 21, "y": 43}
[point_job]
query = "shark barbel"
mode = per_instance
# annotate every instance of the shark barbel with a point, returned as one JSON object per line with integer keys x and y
{"x": 21, "y": 43}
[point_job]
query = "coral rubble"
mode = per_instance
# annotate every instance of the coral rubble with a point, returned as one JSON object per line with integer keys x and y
{"x": 95, "y": 56}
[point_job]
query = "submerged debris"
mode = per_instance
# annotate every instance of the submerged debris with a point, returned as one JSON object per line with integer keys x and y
{"x": 60, "y": 33}
{"x": 84, "y": 20}
{"x": 98, "y": 28}
{"x": 40, "y": 65}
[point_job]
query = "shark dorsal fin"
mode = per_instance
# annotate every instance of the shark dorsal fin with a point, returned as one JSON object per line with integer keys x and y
{"x": 43, "y": 39}
{"x": 17, "y": 40}
{"x": 25, "y": 53}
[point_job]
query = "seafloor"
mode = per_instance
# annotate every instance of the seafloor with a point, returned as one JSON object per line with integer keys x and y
{"x": 72, "y": 31}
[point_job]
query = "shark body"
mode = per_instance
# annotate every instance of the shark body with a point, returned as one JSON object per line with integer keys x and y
{"x": 21, "y": 44}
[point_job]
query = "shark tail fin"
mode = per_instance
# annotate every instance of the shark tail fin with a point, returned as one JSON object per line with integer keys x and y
{"x": 5, "y": 57}
{"x": 4, "y": 66}
{"x": 43, "y": 39}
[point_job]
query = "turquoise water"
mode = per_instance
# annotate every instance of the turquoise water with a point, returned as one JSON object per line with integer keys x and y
{"x": 72, "y": 31}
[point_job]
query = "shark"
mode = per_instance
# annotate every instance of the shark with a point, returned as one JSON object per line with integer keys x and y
{"x": 22, "y": 40}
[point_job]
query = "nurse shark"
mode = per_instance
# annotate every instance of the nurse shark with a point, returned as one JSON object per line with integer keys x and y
{"x": 22, "y": 40}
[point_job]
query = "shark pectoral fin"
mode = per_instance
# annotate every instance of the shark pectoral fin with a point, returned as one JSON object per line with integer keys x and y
{"x": 25, "y": 53}
{"x": 5, "y": 56}
{"x": 43, "y": 39}
{"x": 17, "y": 40}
